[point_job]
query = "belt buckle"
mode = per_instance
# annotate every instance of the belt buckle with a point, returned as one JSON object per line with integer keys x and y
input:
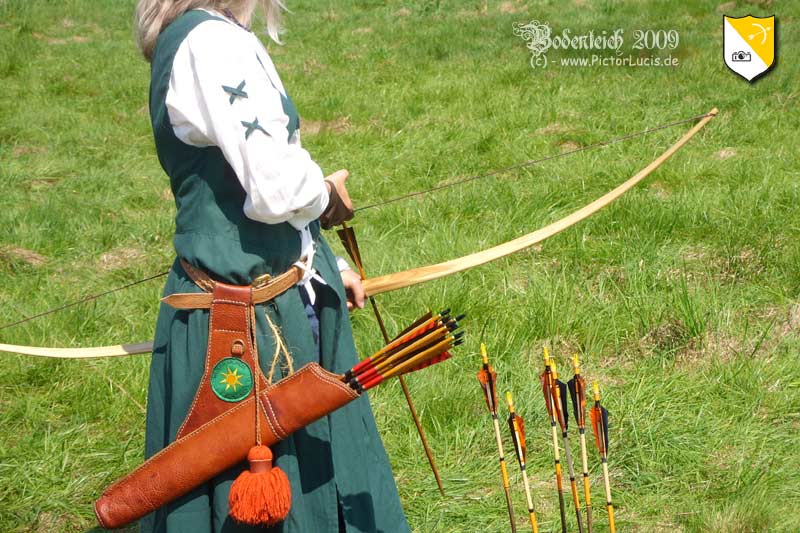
{"x": 261, "y": 280}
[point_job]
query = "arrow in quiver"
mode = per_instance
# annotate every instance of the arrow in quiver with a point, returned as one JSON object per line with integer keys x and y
{"x": 599, "y": 416}
{"x": 426, "y": 343}
{"x": 517, "y": 426}
{"x": 577, "y": 392}
{"x": 488, "y": 380}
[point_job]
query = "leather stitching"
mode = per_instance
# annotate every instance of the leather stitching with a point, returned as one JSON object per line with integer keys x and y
{"x": 231, "y": 302}
{"x": 164, "y": 450}
{"x": 206, "y": 371}
{"x": 333, "y": 380}
{"x": 275, "y": 431}
{"x": 99, "y": 519}
{"x": 288, "y": 379}
{"x": 277, "y": 423}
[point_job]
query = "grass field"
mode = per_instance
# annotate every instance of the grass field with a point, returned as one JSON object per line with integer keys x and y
{"x": 683, "y": 298}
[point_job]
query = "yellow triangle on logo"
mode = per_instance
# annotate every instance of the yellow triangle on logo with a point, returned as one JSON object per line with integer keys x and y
{"x": 758, "y": 33}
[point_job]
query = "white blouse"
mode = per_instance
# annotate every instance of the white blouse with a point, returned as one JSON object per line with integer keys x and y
{"x": 224, "y": 91}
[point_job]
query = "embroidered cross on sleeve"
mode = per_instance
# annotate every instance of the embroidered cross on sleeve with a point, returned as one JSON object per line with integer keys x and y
{"x": 235, "y": 92}
{"x": 251, "y": 127}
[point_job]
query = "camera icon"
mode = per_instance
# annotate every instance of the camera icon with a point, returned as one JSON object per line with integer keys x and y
{"x": 740, "y": 56}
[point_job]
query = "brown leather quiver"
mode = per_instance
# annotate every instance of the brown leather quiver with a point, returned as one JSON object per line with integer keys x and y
{"x": 288, "y": 405}
{"x": 222, "y": 425}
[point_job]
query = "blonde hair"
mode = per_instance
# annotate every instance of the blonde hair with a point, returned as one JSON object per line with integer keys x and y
{"x": 152, "y": 16}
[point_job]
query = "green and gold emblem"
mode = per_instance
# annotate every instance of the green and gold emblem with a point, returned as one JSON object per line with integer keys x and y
{"x": 231, "y": 380}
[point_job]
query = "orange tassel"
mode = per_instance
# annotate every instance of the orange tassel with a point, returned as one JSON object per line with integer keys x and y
{"x": 261, "y": 496}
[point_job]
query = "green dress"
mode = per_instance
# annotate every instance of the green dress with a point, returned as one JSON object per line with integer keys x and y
{"x": 338, "y": 469}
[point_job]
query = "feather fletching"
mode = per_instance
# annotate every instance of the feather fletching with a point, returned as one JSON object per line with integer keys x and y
{"x": 599, "y": 416}
{"x": 488, "y": 380}
{"x": 548, "y": 393}
{"x": 564, "y": 405}
{"x": 577, "y": 392}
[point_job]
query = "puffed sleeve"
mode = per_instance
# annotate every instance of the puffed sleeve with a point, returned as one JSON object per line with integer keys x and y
{"x": 220, "y": 95}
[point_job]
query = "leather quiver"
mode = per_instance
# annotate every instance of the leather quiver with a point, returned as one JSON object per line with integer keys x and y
{"x": 221, "y": 443}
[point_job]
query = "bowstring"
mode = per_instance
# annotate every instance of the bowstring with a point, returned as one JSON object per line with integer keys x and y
{"x": 468, "y": 179}
{"x": 530, "y": 162}
{"x": 83, "y": 300}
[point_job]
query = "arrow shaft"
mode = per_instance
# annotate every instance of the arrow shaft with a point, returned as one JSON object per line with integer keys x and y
{"x": 531, "y": 510}
{"x": 587, "y": 493}
{"x": 351, "y": 244}
{"x": 609, "y": 504}
{"x": 515, "y": 424}
{"x": 559, "y": 479}
{"x": 504, "y": 472}
{"x": 573, "y": 484}
{"x": 421, "y": 433}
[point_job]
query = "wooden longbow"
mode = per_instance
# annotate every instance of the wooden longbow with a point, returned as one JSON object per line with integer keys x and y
{"x": 415, "y": 276}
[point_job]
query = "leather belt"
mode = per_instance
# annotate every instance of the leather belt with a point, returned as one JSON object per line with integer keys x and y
{"x": 265, "y": 288}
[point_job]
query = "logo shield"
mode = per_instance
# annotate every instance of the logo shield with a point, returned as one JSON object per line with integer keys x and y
{"x": 748, "y": 44}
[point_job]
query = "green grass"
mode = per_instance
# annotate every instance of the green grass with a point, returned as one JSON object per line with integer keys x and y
{"x": 683, "y": 297}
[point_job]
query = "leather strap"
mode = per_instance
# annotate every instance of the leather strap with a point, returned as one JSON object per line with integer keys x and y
{"x": 261, "y": 291}
{"x": 230, "y": 335}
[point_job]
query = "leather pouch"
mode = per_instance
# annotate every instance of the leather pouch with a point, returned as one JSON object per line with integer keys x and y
{"x": 195, "y": 458}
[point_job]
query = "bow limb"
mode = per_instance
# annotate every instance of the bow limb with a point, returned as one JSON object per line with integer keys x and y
{"x": 118, "y": 350}
{"x": 415, "y": 276}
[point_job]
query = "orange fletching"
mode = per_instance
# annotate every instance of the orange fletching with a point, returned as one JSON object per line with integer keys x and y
{"x": 599, "y": 417}
{"x": 548, "y": 396}
{"x": 558, "y": 403}
{"x": 521, "y": 429}
{"x": 488, "y": 380}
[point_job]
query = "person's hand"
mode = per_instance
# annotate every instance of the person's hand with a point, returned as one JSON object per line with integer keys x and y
{"x": 355, "y": 289}
{"x": 337, "y": 180}
{"x": 340, "y": 207}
